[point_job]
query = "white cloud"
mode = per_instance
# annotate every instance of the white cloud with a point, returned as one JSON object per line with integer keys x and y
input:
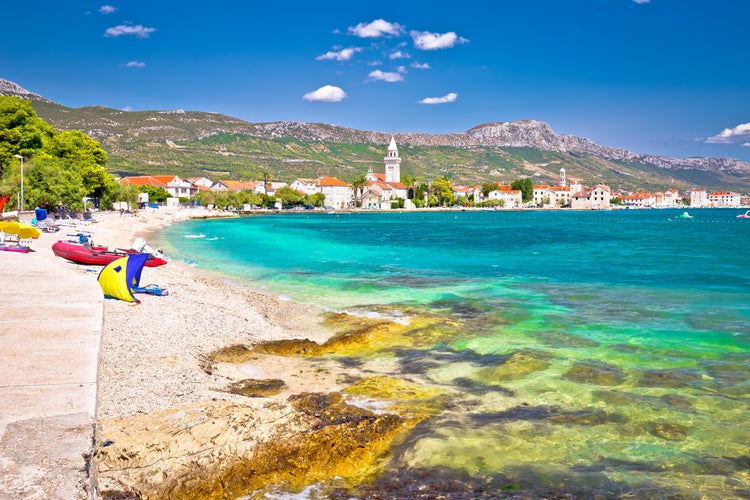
{"x": 376, "y": 29}
{"x": 107, "y": 9}
{"x": 326, "y": 93}
{"x": 128, "y": 108}
{"x": 440, "y": 100}
{"x": 135, "y": 64}
{"x": 399, "y": 55}
{"x": 341, "y": 55}
{"x": 426, "y": 40}
{"x": 746, "y": 145}
{"x": 126, "y": 29}
{"x": 417, "y": 65}
{"x": 731, "y": 135}
{"x": 386, "y": 76}
{"x": 641, "y": 1}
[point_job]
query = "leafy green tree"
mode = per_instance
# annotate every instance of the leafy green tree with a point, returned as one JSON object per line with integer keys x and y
{"x": 443, "y": 190}
{"x": 317, "y": 199}
{"x": 70, "y": 158}
{"x": 83, "y": 154}
{"x": 22, "y": 132}
{"x": 289, "y": 196}
{"x": 488, "y": 187}
{"x": 155, "y": 193}
{"x": 527, "y": 188}
{"x": 48, "y": 184}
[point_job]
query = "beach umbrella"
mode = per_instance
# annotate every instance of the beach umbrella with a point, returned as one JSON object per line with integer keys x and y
{"x": 23, "y": 231}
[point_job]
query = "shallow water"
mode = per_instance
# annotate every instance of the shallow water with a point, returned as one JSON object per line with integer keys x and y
{"x": 597, "y": 352}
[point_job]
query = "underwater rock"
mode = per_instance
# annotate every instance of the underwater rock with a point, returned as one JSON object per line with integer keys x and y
{"x": 677, "y": 401}
{"x": 593, "y": 372}
{"x": 257, "y": 388}
{"x": 668, "y": 431}
{"x": 556, "y": 339}
{"x": 516, "y": 366}
{"x": 289, "y": 347}
{"x": 672, "y": 378}
{"x": 227, "y": 450}
{"x": 232, "y": 354}
{"x": 404, "y": 397}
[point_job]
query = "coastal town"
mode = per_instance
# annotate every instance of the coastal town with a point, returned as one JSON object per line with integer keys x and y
{"x": 385, "y": 191}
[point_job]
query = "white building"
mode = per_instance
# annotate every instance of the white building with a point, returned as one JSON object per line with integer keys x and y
{"x": 725, "y": 199}
{"x": 595, "y": 198}
{"x": 511, "y": 198}
{"x": 338, "y": 193}
{"x": 698, "y": 198}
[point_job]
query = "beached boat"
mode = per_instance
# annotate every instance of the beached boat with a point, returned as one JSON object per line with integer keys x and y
{"x": 746, "y": 215}
{"x": 98, "y": 256}
{"x": 14, "y": 248}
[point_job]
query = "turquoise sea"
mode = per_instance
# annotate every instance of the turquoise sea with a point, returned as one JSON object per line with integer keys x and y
{"x": 594, "y": 353}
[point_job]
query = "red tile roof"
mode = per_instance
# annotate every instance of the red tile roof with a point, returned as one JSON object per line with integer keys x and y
{"x": 331, "y": 181}
{"x": 147, "y": 180}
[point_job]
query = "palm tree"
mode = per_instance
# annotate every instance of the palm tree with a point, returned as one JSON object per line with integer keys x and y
{"x": 358, "y": 185}
{"x": 266, "y": 178}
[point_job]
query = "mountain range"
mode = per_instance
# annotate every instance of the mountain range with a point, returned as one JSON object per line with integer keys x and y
{"x": 192, "y": 143}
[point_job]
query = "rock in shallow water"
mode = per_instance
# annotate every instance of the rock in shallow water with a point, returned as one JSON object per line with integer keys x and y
{"x": 227, "y": 450}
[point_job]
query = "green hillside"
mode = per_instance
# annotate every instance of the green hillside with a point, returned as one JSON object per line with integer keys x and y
{"x": 191, "y": 144}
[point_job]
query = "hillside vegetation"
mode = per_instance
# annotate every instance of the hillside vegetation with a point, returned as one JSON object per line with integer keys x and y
{"x": 192, "y": 144}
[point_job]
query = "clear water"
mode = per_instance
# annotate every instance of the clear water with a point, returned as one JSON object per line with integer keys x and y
{"x": 622, "y": 337}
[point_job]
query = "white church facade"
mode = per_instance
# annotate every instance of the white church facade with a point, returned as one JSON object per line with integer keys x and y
{"x": 383, "y": 189}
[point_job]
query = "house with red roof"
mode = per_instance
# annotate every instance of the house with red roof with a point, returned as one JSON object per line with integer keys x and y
{"x": 511, "y": 198}
{"x": 725, "y": 199}
{"x": 176, "y": 187}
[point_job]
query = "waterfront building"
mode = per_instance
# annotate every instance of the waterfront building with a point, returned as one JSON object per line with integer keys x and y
{"x": 382, "y": 189}
{"x": 511, "y": 198}
{"x": 176, "y": 187}
{"x": 698, "y": 198}
{"x": 595, "y": 198}
{"x": 725, "y": 199}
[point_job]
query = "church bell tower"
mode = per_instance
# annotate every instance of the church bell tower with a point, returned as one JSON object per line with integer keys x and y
{"x": 392, "y": 163}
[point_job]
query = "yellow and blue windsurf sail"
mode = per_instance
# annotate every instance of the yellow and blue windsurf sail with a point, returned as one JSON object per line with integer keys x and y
{"x": 120, "y": 277}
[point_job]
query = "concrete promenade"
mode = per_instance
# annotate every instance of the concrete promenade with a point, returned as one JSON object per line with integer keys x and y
{"x": 50, "y": 329}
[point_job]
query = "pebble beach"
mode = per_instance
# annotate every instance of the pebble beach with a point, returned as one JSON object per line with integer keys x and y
{"x": 152, "y": 353}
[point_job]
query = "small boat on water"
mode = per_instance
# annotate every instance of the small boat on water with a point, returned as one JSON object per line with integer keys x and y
{"x": 684, "y": 215}
{"x": 746, "y": 215}
{"x": 85, "y": 253}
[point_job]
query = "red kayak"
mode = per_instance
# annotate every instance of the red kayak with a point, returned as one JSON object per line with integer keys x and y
{"x": 96, "y": 256}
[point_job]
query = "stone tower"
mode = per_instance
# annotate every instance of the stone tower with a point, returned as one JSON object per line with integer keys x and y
{"x": 392, "y": 163}
{"x": 562, "y": 177}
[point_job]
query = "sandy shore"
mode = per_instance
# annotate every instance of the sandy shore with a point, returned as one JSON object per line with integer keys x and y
{"x": 152, "y": 354}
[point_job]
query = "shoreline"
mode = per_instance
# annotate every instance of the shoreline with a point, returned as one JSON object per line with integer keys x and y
{"x": 151, "y": 354}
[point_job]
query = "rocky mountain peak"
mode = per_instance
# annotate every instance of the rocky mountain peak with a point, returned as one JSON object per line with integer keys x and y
{"x": 12, "y": 89}
{"x": 523, "y": 133}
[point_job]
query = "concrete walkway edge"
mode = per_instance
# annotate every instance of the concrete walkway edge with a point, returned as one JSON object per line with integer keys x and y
{"x": 50, "y": 331}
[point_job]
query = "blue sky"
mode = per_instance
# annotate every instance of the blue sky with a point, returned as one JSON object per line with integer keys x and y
{"x": 665, "y": 77}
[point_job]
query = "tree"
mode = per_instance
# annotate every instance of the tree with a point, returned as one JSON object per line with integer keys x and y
{"x": 527, "y": 188}
{"x": 443, "y": 190}
{"x": 358, "y": 186}
{"x": 155, "y": 193}
{"x": 83, "y": 154}
{"x": 488, "y": 187}
{"x": 48, "y": 184}
{"x": 318, "y": 199}
{"x": 289, "y": 196}
{"x": 74, "y": 160}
